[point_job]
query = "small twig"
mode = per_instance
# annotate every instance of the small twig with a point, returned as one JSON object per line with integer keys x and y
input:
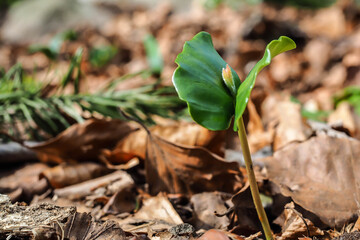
{"x": 141, "y": 226}
{"x": 62, "y": 230}
{"x": 130, "y": 118}
{"x": 228, "y": 211}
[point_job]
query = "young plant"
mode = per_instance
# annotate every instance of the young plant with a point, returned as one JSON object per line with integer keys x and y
{"x": 215, "y": 95}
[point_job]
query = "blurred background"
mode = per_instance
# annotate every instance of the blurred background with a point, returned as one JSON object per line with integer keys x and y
{"x": 72, "y": 58}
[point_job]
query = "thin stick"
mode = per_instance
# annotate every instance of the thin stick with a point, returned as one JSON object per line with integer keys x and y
{"x": 252, "y": 180}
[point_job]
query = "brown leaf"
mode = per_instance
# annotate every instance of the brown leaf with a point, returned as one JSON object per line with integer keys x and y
{"x": 343, "y": 116}
{"x": 159, "y": 208}
{"x": 328, "y": 22}
{"x": 24, "y": 183}
{"x": 190, "y": 134}
{"x": 296, "y": 226}
{"x": 69, "y": 174}
{"x": 156, "y": 214}
{"x": 336, "y": 77}
{"x": 258, "y": 138}
{"x": 206, "y": 205}
{"x": 321, "y": 175}
{"x": 83, "y": 142}
{"x": 176, "y": 168}
{"x": 246, "y": 221}
{"x": 83, "y": 226}
{"x": 124, "y": 200}
{"x": 285, "y": 117}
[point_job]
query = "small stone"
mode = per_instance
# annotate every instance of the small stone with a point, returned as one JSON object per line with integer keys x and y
{"x": 182, "y": 229}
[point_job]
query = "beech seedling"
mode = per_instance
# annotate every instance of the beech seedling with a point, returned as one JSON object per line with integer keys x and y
{"x": 215, "y": 95}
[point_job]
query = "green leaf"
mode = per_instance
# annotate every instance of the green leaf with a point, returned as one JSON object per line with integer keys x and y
{"x": 273, "y": 49}
{"x": 351, "y": 95}
{"x": 198, "y": 81}
{"x": 153, "y": 54}
{"x": 307, "y": 4}
{"x": 74, "y": 64}
{"x": 102, "y": 55}
{"x": 52, "y": 49}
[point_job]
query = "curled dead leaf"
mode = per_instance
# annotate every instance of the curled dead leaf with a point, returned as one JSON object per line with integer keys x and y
{"x": 156, "y": 214}
{"x": 176, "y": 168}
{"x": 296, "y": 225}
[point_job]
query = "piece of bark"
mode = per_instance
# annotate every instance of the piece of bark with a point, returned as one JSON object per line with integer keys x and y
{"x": 26, "y": 222}
{"x": 47, "y": 221}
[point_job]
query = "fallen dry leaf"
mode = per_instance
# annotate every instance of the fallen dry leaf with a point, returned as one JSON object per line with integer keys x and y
{"x": 321, "y": 175}
{"x": 296, "y": 226}
{"x": 328, "y": 22}
{"x": 336, "y": 77}
{"x": 83, "y": 226}
{"x": 190, "y": 134}
{"x": 344, "y": 117}
{"x": 356, "y": 227}
{"x": 206, "y": 205}
{"x": 258, "y": 138}
{"x": 246, "y": 221}
{"x": 176, "y": 168}
{"x": 83, "y": 142}
{"x": 159, "y": 208}
{"x": 156, "y": 214}
{"x": 124, "y": 200}
{"x": 23, "y": 183}
{"x": 285, "y": 117}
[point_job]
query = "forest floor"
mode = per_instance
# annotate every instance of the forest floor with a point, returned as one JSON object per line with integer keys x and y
{"x": 101, "y": 147}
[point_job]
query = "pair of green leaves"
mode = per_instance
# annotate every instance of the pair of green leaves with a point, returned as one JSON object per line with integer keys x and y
{"x": 199, "y": 81}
